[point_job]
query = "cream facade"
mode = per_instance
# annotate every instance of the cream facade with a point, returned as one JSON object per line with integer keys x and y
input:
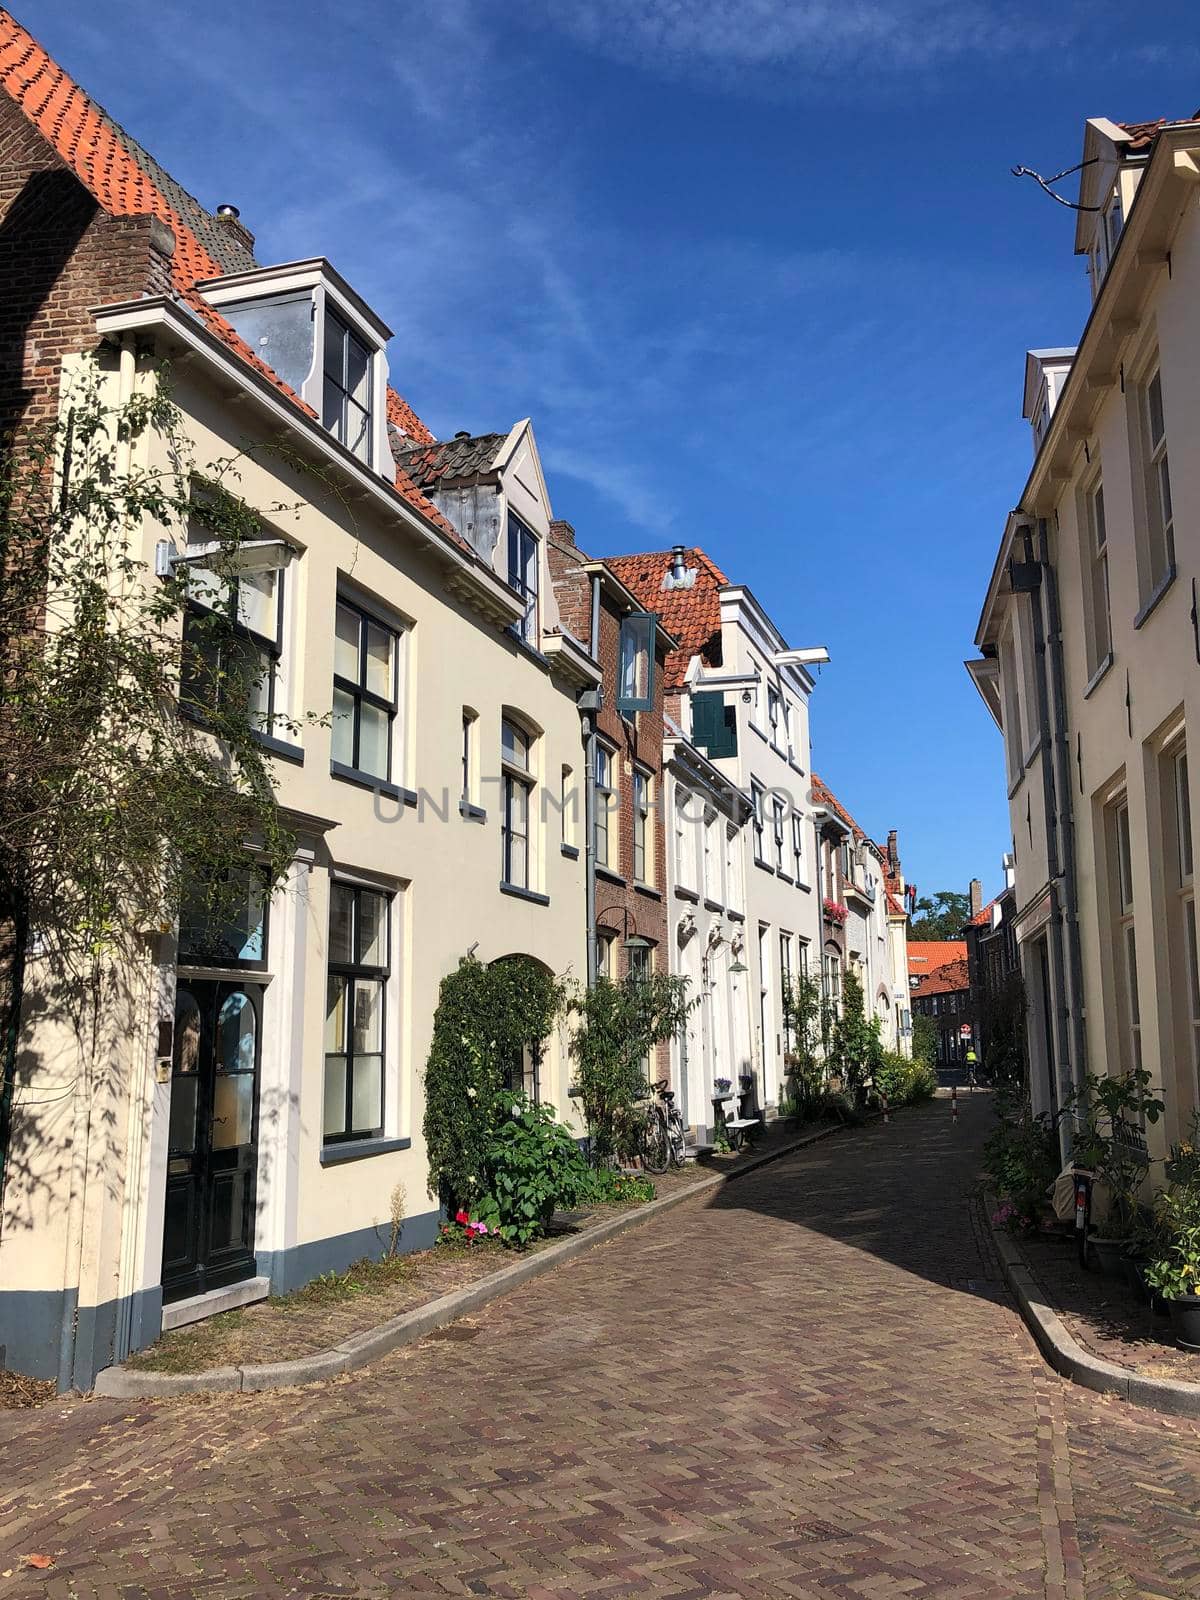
{"x": 707, "y": 821}
{"x": 427, "y": 817}
{"x": 1089, "y": 644}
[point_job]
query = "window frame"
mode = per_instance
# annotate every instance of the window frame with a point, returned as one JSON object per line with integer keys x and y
{"x": 360, "y": 693}
{"x": 333, "y": 317}
{"x": 514, "y": 777}
{"x": 1097, "y": 590}
{"x": 522, "y": 556}
{"x": 643, "y": 787}
{"x": 1157, "y": 545}
{"x": 353, "y": 972}
{"x": 196, "y": 610}
{"x": 758, "y": 796}
{"x": 605, "y": 794}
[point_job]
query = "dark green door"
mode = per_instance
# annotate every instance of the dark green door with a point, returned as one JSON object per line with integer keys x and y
{"x": 208, "y": 1229}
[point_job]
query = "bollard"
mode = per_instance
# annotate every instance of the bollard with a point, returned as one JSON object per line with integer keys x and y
{"x": 954, "y": 1103}
{"x": 883, "y": 1101}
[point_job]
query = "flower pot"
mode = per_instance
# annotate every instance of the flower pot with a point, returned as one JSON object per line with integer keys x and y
{"x": 1109, "y": 1255}
{"x": 1185, "y": 1322}
{"x": 1134, "y": 1276}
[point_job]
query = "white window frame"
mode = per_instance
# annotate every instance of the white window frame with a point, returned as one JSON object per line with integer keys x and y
{"x": 643, "y": 834}
{"x": 1157, "y": 546}
{"x": 606, "y": 795}
{"x": 1097, "y": 597}
{"x": 514, "y": 777}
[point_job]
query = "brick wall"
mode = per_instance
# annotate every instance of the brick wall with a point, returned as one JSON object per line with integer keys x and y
{"x": 621, "y": 907}
{"x": 60, "y": 255}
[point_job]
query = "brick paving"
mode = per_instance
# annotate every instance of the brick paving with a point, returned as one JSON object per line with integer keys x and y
{"x": 813, "y": 1387}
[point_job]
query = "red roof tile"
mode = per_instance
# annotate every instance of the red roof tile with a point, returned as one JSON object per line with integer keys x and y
{"x": 127, "y": 182}
{"x": 983, "y": 917}
{"x": 929, "y": 955}
{"x": 692, "y": 616}
{"x": 949, "y": 979}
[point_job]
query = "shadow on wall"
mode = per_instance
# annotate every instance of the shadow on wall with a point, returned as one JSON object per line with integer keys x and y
{"x": 39, "y": 234}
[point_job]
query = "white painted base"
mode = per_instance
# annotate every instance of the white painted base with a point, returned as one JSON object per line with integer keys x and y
{"x": 180, "y": 1312}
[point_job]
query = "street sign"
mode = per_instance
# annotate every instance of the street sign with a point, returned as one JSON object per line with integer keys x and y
{"x": 965, "y": 1031}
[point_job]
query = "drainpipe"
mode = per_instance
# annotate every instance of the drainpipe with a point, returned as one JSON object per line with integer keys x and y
{"x": 590, "y": 702}
{"x": 1066, "y": 817}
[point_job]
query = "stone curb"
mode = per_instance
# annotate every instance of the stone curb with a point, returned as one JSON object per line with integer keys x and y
{"x": 126, "y": 1383}
{"x": 1068, "y": 1357}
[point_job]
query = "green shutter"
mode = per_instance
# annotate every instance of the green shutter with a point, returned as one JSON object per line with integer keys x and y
{"x": 714, "y": 725}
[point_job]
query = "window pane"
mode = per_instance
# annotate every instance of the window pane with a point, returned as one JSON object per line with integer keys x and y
{"x": 1183, "y": 811}
{"x": 372, "y": 929}
{"x": 1164, "y": 485}
{"x": 367, "y": 1021}
{"x": 345, "y": 648}
{"x": 335, "y": 347}
{"x": 366, "y": 1109}
{"x": 380, "y": 654}
{"x": 332, "y": 403}
{"x": 514, "y": 745}
{"x": 335, "y": 1014}
{"x": 358, "y": 431}
{"x": 233, "y": 1110}
{"x": 237, "y": 1031}
{"x": 358, "y": 368}
{"x": 518, "y": 861}
{"x": 1154, "y": 398}
{"x": 343, "y": 727}
{"x": 373, "y": 727}
{"x": 334, "y": 1120}
{"x": 1099, "y": 530}
{"x": 258, "y": 604}
{"x": 341, "y": 913}
{"x": 1131, "y": 975}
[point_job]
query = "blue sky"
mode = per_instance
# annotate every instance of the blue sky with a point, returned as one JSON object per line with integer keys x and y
{"x": 757, "y": 270}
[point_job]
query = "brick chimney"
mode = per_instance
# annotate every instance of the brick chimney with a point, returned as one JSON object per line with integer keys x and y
{"x": 976, "y": 897}
{"x": 893, "y": 853}
{"x": 230, "y": 220}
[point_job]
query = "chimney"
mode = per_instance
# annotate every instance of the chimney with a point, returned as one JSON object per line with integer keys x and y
{"x": 893, "y": 853}
{"x": 230, "y": 219}
{"x": 976, "y": 897}
{"x": 562, "y": 530}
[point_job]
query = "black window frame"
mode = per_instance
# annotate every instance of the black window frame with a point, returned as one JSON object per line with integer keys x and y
{"x": 523, "y": 543}
{"x": 197, "y": 615}
{"x": 758, "y": 797}
{"x": 353, "y": 971}
{"x": 338, "y": 425}
{"x": 360, "y": 692}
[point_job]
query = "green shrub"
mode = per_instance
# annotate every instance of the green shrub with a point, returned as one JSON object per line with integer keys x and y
{"x": 534, "y": 1167}
{"x": 903, "y": 1081}
{"x": 1021, "y": 1154}
{"x": 607, "y": 1186}
{"x": 619, "y": 1026}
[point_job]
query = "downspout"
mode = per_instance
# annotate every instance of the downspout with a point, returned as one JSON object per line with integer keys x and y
{"x": 589, "y": 794}
{"x": 1066, "y": 815}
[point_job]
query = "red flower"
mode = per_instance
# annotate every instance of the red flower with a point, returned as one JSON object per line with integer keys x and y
{"x": 461, "y": 1216}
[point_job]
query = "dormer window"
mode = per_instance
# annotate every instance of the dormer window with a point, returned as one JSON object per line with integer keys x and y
{"x": 523, "y": 577}
{"x": 322, "y": 340}
{"x": 346, "y": 398}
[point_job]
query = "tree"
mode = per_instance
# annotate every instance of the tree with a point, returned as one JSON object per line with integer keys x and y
{"x": 620, "y": 1024}
{"x": 940, "y": 916}
{"x": 856, "y": 1048}
{"x": 925, "y": 1040}
{"x": 113, "y": 805}
{"x": 812, "y": 1018}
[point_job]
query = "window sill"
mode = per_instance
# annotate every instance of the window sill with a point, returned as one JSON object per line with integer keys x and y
{"x": 796, "y": 767}
{"x": 1098, "y": 677}
{"x": 647, "y": 889}
{"x": 357, "y": 1149}
{"x": 686, "y": 894}
{"x": 1016, "y": 783}
{"x": 712, "y": 905}
{"x": 786, "y": 877}
{"x": 525, "y": 894}
{"x": 471, "y": 812}
{"x": 571, "y": 851}
{"x": 735, "y": 916}
{"x": 765, "y": 865}
{"x": 1164, "y": 583}
{"x": 279, "y": 747}
{"x": 364, "y": 780}
{"x": 754, "y": 728}
{"x": 609, "y": 876}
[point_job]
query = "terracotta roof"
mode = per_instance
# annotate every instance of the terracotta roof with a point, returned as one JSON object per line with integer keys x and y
{"x": 446, "y": 460}
{"x": 127, "y": 182}
{"x": 983, "y": 917}
{"x": 693, "y": 616}
{"x": 405, "y": 420}
{"x": 823, "y": 795}
{"x": 950, "y": 979}
{"x": 929, "y": 955}
{"x": 895, "y": 908}
{"x": 1143, "y": 134}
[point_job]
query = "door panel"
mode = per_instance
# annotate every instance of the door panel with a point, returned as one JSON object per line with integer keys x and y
{"x": 208, "y": 1229}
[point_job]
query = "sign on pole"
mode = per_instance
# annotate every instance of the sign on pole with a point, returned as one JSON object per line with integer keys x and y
{"x": 965, "y": 1031}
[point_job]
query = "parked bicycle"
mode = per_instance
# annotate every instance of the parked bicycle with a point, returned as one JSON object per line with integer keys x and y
{"x": 664, "y": 1140}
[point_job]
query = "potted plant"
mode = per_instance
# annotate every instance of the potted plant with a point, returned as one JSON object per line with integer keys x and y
{"x": 722, "y": 1085}
{"x": 1111, "y": 1145}
{"x": 1174, "y": 1269}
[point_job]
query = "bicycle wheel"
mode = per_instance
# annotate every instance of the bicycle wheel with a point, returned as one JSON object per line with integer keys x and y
{"x": 678, "y": 1141}
{"x": 655, "y": 1147}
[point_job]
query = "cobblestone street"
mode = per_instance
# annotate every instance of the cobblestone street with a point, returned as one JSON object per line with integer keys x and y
{"x": 814, "y": 1386}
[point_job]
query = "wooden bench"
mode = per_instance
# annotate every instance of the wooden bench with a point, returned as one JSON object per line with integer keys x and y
{"x": 735, "y": 1127}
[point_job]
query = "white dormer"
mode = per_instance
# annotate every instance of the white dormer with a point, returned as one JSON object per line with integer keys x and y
{"x": 310, "y": 327}
{"x": 1046, "y": 373}
{"x": 1113, "y": 161}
